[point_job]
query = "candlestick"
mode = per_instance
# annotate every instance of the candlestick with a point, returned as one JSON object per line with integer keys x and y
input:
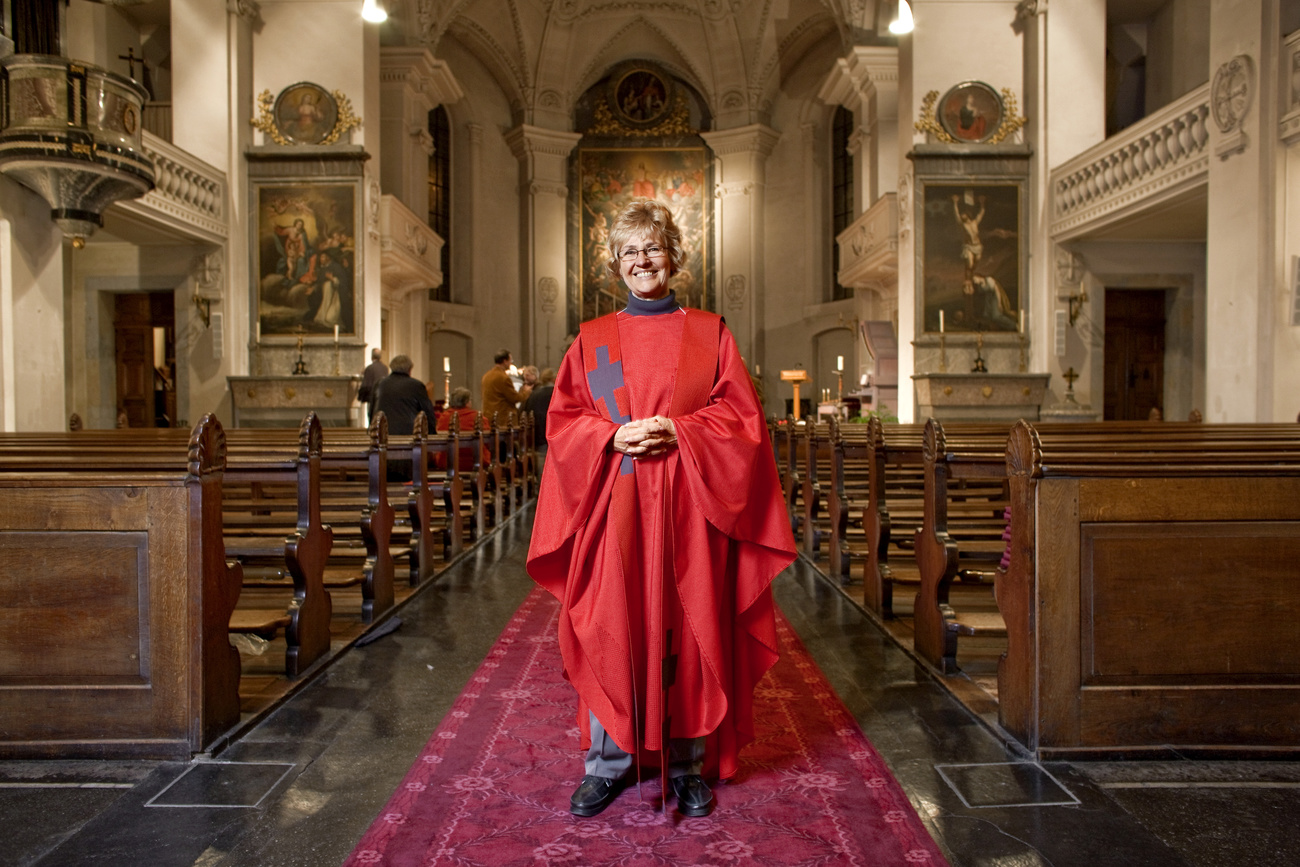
{"x": 446, "y": 386}
{"x": 943, "y": 352}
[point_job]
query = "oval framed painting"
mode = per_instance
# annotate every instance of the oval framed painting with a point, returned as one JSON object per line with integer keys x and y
{"x": 305, "y": 113}
{"x": 971, "y": 112}
{"x": 640, "y": 96}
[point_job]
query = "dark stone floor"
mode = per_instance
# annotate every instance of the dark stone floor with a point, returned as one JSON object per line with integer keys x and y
{"x": 301, "y": 787}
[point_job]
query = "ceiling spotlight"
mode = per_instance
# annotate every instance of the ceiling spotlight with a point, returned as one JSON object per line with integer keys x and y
{"x": 903, "y": 22}
{"x": 375, "y": 14}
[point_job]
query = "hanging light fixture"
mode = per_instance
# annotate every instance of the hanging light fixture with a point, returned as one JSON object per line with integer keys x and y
{"x": 902, "y": 22}
{"x": 373, "y": 12}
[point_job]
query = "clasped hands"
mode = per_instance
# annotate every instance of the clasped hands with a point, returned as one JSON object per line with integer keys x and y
{"x": 645, "y": 437}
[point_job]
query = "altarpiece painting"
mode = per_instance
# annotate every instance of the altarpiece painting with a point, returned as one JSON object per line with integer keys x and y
{"x": 306, "y": 262}
{"x": 612, "y": 177}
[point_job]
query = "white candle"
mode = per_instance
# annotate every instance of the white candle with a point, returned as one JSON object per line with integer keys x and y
{"x": 941, "y": 322}
{"x": 336, "y": 334}
{"x": 839, "y": 363}
{"x": 446, "y": 364}
{"x": 1022, "y": 322}
{"x": 259, "y": 331}
{"x": 758, "y": 370}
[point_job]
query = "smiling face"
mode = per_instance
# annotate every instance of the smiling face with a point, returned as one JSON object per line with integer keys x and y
{"x": 644, "y": 275}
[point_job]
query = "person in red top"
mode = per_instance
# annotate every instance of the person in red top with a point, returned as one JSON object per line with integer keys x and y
{"x": 460, "y": 398}
{"x": 660, "y": 526}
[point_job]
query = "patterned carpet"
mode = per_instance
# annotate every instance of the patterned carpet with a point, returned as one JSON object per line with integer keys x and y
{"x": 492, "y": 785}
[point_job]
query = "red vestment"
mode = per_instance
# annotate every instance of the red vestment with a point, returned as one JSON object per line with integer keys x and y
{"x": 468, "y": 417}
{"x": 689, "y": 542}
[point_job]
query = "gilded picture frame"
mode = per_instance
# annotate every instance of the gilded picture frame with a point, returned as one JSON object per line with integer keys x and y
{"x": 305, "y": 113}
{"x": 971, "y": 112}
{"x": 306, "y": 258}
{"x": 971, "y": 254}
{"x": 609, "y": 179}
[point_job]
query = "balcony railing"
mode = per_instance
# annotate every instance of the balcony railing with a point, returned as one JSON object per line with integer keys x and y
{"x": 188, "y": 193}
{"x": 869, "y": 247}
{"x": 410, "y": 252}
{"x": 1156, "y": 159}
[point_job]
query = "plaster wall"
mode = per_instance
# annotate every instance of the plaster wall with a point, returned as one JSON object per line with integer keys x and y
{"x": 1240, "y": 279}
{"x": 204, "y": 110}
{"x": 1178, "y": 51}
{"x": 97, "y": 34}
{"x": 963, "y": 40}
{"x": 101, "y": 271}
{"x": 486, "y": 220}
{"x": 321, "y": 41}
{"x": 1178, "y": 268}
{"x": 797, "y": 261}
{"x": 34, "y": 345}
{"x": 1286, "y": 352}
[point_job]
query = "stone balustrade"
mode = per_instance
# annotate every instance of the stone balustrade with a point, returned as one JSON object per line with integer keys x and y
{"x": 188, "y": 193}
{"x": 869, "y": 247}
{"x": 1156, "y": 159}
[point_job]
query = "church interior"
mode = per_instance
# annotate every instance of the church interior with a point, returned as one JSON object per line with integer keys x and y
{"x": 1074, "y": 213}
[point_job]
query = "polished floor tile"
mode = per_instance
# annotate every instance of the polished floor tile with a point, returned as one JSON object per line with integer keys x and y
{"x": 303, "y": 785}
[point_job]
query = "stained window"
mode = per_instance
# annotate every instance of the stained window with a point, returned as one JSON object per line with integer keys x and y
{"x": 440, "y": 195}
{"x": 841, "y": 192}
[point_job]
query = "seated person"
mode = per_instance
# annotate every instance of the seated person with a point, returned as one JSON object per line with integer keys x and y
{"x": 468, "y": 418}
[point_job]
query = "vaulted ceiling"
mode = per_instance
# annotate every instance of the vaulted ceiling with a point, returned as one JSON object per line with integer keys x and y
{"x": 546, "y": 53}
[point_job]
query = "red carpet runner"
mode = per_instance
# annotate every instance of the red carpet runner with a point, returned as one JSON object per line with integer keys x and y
{"x": 492, "y": 786}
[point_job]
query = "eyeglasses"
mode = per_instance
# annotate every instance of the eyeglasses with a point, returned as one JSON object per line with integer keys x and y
{"x": 631, "y": 254}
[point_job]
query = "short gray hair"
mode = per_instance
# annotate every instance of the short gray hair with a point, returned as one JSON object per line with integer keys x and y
{"x": 401, "y": 364}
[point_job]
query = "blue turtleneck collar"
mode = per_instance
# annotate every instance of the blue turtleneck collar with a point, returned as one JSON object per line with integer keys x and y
{"x": 640, "y": 307}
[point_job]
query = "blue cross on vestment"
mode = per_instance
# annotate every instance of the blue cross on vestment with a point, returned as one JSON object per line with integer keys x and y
{"x": 602, "y": 381}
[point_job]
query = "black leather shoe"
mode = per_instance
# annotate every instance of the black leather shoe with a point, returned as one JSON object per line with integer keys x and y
{"x": 593, "y": 795}
{"x": 693, "y": 795}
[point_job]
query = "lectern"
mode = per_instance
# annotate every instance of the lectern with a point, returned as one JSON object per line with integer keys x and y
{"x": 795, "y": 377}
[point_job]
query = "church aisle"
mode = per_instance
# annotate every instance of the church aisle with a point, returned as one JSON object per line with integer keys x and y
{"x": 302, "y": 787}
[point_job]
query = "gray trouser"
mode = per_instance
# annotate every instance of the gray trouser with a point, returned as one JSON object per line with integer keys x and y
{"x": 607, "y": 759}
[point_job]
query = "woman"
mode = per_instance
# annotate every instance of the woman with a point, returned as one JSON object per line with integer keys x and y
{"x": 467, "y": 419}
{"x": 662, "y": 556}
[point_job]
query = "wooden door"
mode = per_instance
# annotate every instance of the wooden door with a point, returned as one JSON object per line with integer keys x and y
{"x": 1134, "y": 353}
{"x": 146, "y": 383}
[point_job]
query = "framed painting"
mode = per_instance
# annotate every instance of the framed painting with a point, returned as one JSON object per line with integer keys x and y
{"x": 609, "y": 179}
{"x": 972, "y": 259}
{"x": 971, "y": 112}
{"x": 306, "y": 258}
{"x": 305, "y": 113}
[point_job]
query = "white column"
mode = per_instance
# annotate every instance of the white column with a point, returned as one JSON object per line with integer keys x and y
{"x": 866, "y": 83}
{"x": 1065, "y": 55}
{"x": 543, "y": 156}
{"x": 411, "y": 84}
{"x": 1240, "y": 262}
{"x": 741, "y": 179}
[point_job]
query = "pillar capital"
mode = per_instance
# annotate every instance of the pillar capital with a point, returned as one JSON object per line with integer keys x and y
{"x": 753, "y": 138}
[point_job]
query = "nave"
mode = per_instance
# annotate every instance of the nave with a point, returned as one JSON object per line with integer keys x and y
{"x": 304, "y": 785}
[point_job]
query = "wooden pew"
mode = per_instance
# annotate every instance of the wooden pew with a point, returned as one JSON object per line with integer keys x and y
{"x": 981, "y": 458}
{"x": 354, "y": 502}
{"x": 304, "y": 552}
{"x": 895, "y": 460}
{"x": 815, "y": 446}
{"x": 847, "y": 496}
{"x": 115, "y": 595}
{"x": 1151, "y": 601}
